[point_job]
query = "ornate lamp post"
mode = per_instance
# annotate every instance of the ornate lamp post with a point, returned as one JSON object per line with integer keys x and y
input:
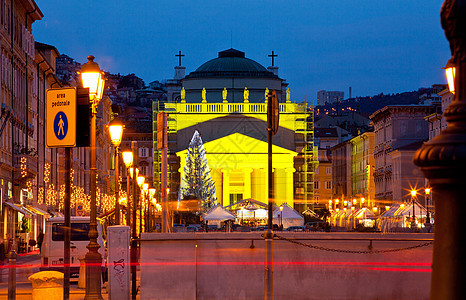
{"x": 116, "y": 132}
{"x": 128, "y": 160}
{"x": 281, "y": 217}
{"x": 92, "y": 78}
{"x": 427, "y": 194}
{"x": 151, "y": 194}
{"x": 140, "y": 180}
{"x": 442, "y": 162}
{"x": 145, "y": 189}
{"x": 413, "y": 221}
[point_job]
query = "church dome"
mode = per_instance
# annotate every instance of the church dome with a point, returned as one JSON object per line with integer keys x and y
{"x": 231, "y": 63}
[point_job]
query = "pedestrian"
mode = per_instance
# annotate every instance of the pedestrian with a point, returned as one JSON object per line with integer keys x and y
{"x": 40, "y": 239}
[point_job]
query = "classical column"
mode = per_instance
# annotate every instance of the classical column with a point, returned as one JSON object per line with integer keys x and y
{"x": 226, "y": 187}
{"x": 289, "y": 186}
{"x": 442, "y": 161}
{"x": 265, "y": 187}
{"x": 247, "y": 193}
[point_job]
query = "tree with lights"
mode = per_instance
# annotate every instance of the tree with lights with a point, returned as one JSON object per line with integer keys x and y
{"x": 196, "y": 179}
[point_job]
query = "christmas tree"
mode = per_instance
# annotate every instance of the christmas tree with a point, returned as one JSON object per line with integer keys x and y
{"x": 196, "y": 181}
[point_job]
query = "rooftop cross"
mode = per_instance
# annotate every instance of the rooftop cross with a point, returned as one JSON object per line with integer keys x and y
{"x": 273, "y": 56}
{"x": 179, "y": 57}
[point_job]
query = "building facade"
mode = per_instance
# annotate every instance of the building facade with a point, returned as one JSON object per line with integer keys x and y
{"x": 224, "y": 100}
{"x": 324, "y": 97}
{"x": 396, "y": 126}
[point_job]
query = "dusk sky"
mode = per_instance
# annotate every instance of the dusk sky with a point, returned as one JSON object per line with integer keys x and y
{"x": 387, "y": 46}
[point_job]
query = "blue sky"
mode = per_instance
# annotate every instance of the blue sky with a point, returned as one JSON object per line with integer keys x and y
{"x": 378, "y": 46}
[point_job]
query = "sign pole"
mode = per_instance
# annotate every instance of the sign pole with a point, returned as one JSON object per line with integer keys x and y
{"x": 272, "y": 127}
{"x": 67, "y": 225}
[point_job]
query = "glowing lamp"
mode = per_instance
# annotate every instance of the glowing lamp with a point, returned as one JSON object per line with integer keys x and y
{"x": 427, "y": 191}
{"x": 92, "y": 78}
{"x": 362, "y": 200}
{"x": 450, "y": 72}
{"x": 127, "y": 158}
{"x": 152, "y": 192}
{"x": 337, "y": 201}
{"x": 131, "y": 172}
{"x": 413, "y": 193}
{"x": 115, "y": 129}
{"x": 140, "y": 180}
{"x": 145, "y": 187}
{"x": 354, "y": 201}
{"x": 281, "y": 208}
{"x": 374, "y": 209}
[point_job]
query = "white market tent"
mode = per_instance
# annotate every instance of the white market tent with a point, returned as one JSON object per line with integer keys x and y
{"x": 217, "y": 214}
{"x": 399, "y": 215}
{"x": 288, "y": 217}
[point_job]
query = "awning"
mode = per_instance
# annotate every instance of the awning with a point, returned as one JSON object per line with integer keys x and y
{"x": 38, "y": 211}
{"x": 107, "y": 214}
{"x": 20, "y": 209}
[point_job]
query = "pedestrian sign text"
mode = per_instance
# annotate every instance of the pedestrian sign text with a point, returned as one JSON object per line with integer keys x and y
{"x": 61, "y": 117}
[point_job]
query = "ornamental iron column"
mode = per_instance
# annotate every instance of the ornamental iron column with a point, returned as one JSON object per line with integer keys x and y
{"x": 442, "y": 162}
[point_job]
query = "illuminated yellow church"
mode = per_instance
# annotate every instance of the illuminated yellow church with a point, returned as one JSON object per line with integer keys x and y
{"x": 225, "y": 101}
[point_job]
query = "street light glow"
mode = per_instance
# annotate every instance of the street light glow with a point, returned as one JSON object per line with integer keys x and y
{"x": 413, "y": 193}
{"x": 127, "y": 158}
{"x": 115, "y": 128}
{"x": 92, "y": 78}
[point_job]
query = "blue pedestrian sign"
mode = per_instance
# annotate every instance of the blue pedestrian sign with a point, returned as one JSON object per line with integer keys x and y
{"x": 61, "y": 117}
{"x": 60, "y": 125}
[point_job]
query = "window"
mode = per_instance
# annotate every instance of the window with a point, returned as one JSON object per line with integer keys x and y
{"x": 316, "y": 185}
{"x": 328, "y": 170}
{"x": 235, "y": 198}
{"x": 79, "y": 232}
{"x": 143, "y": 152}
{"x": 329, "y": 185}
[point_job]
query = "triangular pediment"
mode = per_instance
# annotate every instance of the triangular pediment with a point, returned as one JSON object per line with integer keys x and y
{"x": 238, "y": 150}
{"x": 238, "y": 143}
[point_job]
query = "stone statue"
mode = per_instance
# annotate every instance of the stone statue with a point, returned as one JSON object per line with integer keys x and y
{"x": 288, "y": 95}
{"x": 183, "y": 94}
{"x": 266, "y": 94}
{"x": 224, "y": 94}
{"x": 204, "y": 99}
{"x": 246, "y": 94}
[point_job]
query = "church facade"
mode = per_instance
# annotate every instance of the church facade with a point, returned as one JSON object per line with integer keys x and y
{"x": 225, "y": 101}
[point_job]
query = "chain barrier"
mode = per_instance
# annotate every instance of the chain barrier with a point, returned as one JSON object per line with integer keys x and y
{"x": 353, "y": 251}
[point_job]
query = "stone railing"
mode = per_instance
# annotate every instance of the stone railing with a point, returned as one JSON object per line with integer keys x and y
{"x": 227, "y": 108}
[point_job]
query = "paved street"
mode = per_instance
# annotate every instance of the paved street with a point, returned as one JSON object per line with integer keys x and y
{"x": 26, "y": 266}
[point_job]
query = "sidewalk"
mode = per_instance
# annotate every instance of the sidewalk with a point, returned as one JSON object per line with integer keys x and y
{"x": 24, "y": 291}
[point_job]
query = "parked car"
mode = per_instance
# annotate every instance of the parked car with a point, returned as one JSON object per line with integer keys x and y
{"x": 315, "y": 226}
{"x": 295, "y": 228}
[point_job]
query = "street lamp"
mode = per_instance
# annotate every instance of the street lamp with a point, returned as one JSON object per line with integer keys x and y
{"x": 281, "y": 216}
{"x": 128, "y": 160}
{"x": 427, "y": 193}
{"x": 413, "y": 222}
{"x": 145, "y": 189}
{"x": 92, "y": 78}
{"x": 116, "y": 132}
{"x": 140, "y": 181}
{"x": 450, "y": 72}
{"x": 151, "y": 194}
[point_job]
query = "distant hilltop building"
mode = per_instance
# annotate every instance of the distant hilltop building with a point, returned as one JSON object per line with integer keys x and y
{"x": 225, "y": 101}
{"x": 327, "y": 97}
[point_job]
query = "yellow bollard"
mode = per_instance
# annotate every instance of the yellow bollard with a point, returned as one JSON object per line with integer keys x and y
{"x": 47, "y": 285}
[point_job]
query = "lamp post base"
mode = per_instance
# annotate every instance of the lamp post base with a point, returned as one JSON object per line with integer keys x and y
{"x": 93, "y": 261}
